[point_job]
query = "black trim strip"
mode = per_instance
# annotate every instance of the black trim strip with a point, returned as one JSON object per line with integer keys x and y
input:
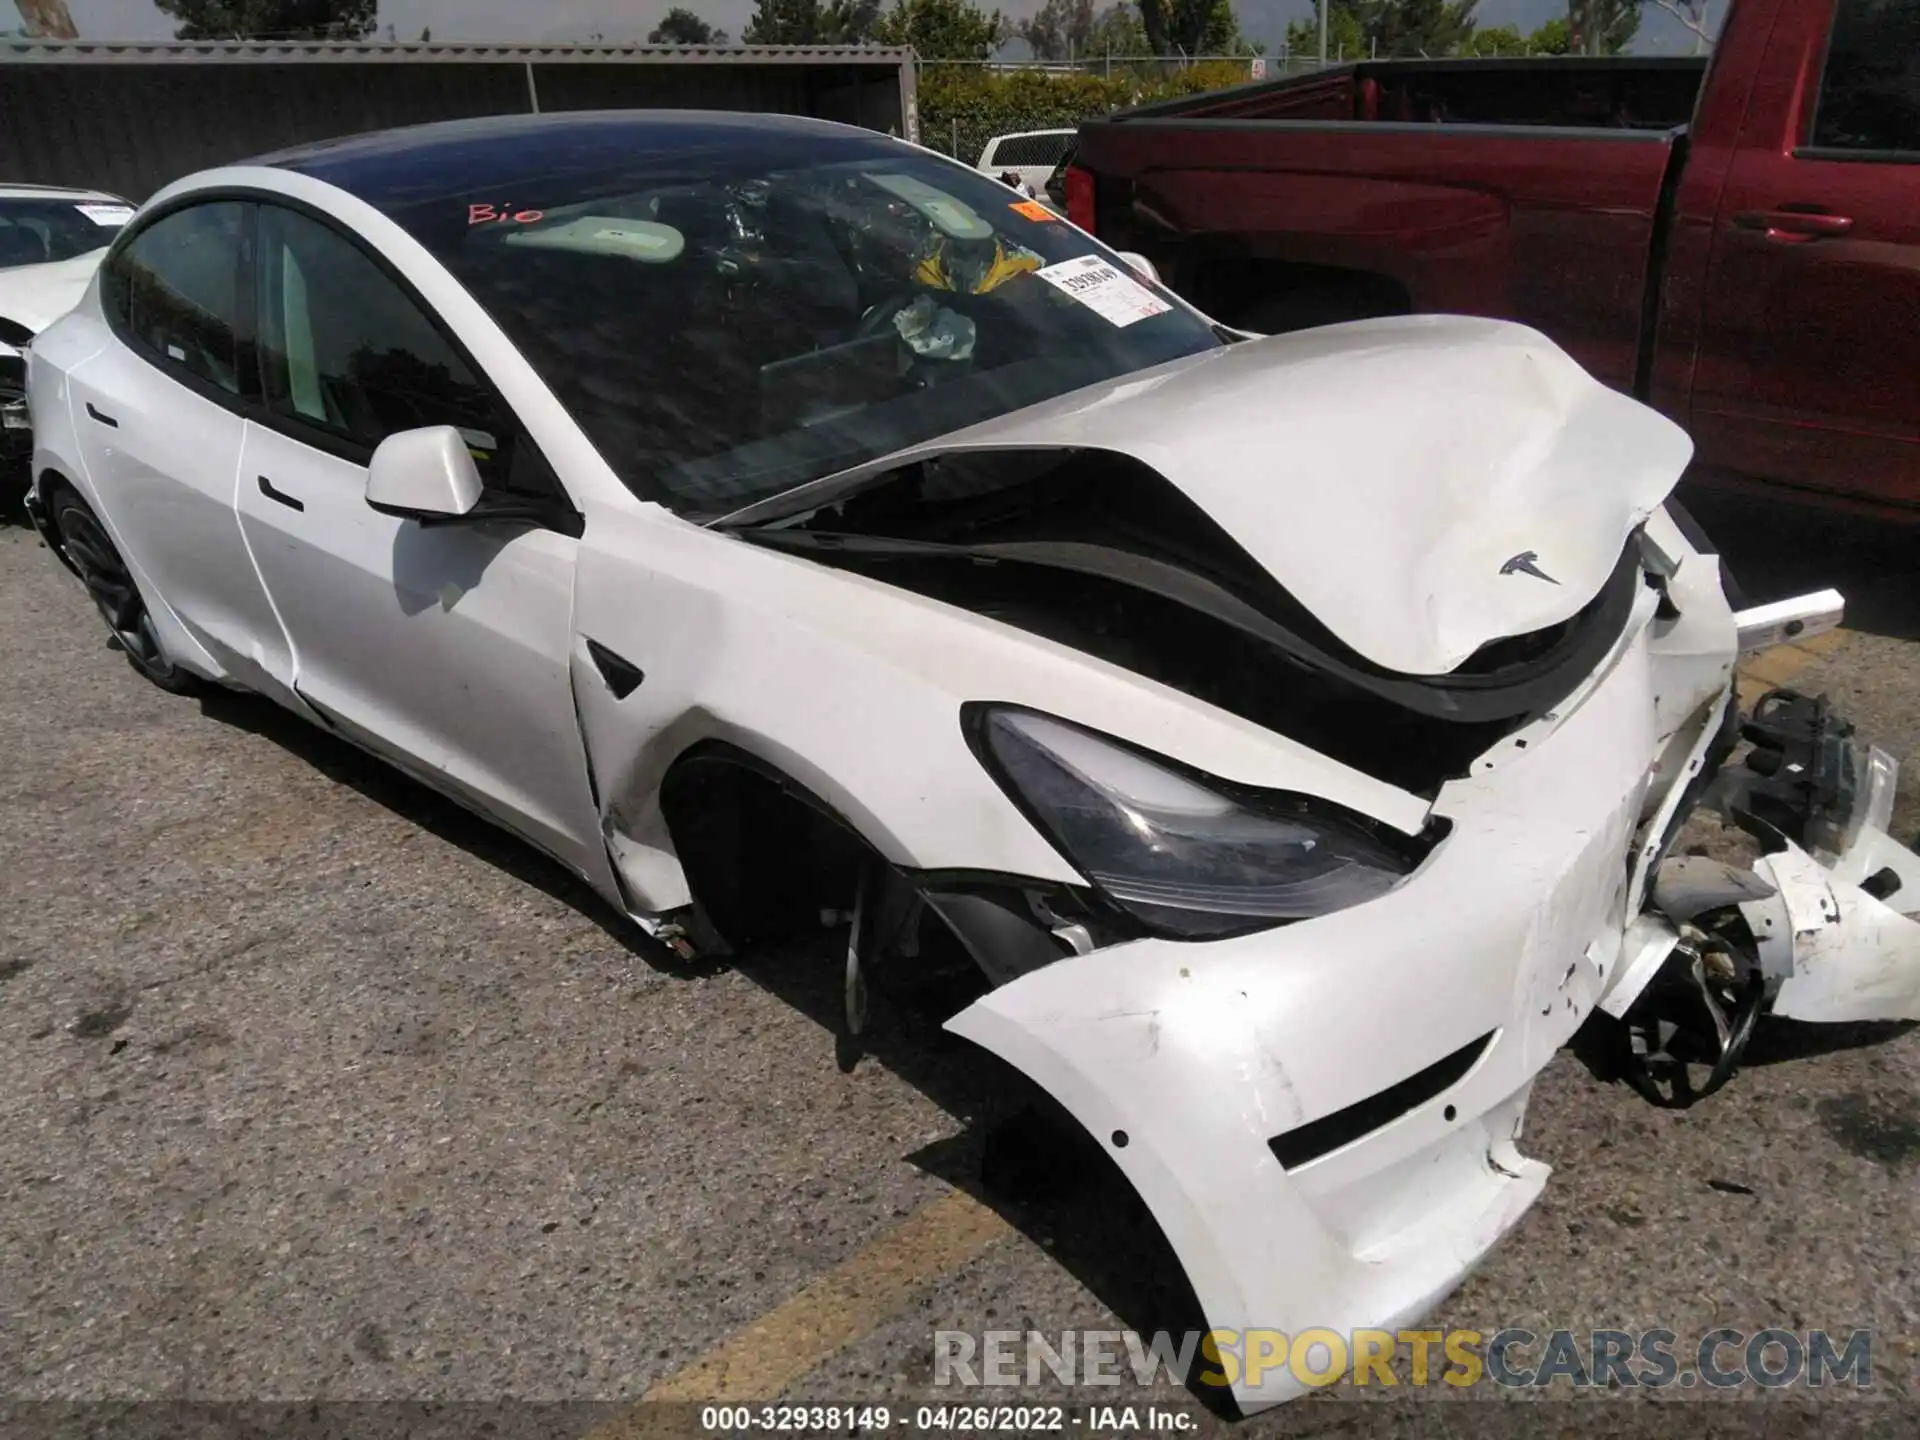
{"x": 1323, "y": 1136}
{"x": 1840, "y": 155}
{"x": 1409, "y": 127}
{"x": 102, "y": 417}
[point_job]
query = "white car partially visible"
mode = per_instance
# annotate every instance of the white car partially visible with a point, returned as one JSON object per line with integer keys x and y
{"x": 1026, "y": 156}
{"x": 51, "y": 241}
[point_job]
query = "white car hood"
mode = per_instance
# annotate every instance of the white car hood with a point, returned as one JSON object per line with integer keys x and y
{"x": 37, "y": 295}
{"x": 1422, "y": 485}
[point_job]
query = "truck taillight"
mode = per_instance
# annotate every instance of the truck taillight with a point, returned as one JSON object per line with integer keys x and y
{"x": 1080, "y": 197}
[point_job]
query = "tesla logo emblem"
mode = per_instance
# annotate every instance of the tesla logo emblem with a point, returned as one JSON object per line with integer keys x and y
{"x": 1522, "y": 564}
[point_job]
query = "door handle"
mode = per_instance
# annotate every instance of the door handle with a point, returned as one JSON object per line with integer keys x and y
{"x": 102, "y": 417}
{"x": 280, "y": 496}
{"x": 1794, "y": 227}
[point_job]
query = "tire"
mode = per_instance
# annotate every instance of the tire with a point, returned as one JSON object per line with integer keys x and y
{"x": 111, "y": 587}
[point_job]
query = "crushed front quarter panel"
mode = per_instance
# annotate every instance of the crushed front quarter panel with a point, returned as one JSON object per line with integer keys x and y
{"x": 1188, "y": 1060}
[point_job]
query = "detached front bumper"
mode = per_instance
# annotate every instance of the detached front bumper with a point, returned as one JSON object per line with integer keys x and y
{"x": 1324, "y": 1118}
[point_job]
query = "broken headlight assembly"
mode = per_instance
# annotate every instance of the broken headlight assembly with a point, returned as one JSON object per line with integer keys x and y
{"x": 1185, "y": 855}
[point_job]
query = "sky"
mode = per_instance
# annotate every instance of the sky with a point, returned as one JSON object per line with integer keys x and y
{"x": 517, "y": 20}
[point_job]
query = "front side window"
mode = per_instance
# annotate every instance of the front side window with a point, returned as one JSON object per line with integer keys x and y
{"x": 1870, "y": 93}
{"x": 344, "y": 349}
{"x": 730, "y": 324}
{"x": 175, "y": 290}
{"x": 35, "y": 231}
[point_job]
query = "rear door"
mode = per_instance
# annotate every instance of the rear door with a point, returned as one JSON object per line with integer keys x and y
{"x": 1810, "y": 343}
{"x": 158, "y": 415}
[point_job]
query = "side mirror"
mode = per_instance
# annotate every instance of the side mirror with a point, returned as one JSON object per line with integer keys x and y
{"x": 1140, "y": 263}
{"x": 425, "y": 474}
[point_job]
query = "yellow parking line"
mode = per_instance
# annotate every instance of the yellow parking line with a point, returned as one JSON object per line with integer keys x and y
{"x": 760, "y": 1361}
{"x": 1779, "y": 664}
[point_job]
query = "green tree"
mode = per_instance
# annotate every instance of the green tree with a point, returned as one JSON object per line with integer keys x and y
{"x": 1194, "y": 27}
{"x": 1221, "y": 35}
{"x": 271, "y": 19}
{"x": 808, "y": 22}
{"x": 963, "y": 106}
{"x": 1496, "y": 40}
{"x": 849, "y": 22}
{"x": 1345, "y": 40}
{"x": 943, "y": 29}
{"x": 1389, "y": 29}
{"x": 1117, "y": 31}
{"x": 680, "y": 26}
{"x": 1601, "y": 27}
{"x": 1553, "y": 38}
{"x": 1059, "y": 29}
{"x": 1179, "y": 26}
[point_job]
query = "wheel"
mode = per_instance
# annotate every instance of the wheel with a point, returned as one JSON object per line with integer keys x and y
{"x": 106, "y": 577}
{"x": 1684, "y": 1037}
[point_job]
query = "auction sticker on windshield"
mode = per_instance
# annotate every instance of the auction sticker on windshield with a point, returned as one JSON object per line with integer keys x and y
{"x": 107, "y": 215}
{"x": 1101, "y": 287}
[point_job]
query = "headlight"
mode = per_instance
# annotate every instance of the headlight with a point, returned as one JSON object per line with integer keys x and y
{"x": 1185, "y": 854}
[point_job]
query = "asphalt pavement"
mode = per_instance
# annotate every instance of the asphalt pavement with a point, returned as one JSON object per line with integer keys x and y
{"x": 315, "y": 1088}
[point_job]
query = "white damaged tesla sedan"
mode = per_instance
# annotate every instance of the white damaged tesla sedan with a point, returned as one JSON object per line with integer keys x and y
{"x": 772, "y": 521}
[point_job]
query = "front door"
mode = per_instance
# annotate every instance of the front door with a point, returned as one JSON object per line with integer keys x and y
{"x": 1810, "y": 342}
{"x": 442, "y": 646}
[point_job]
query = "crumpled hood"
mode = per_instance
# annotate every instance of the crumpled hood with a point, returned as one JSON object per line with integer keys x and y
{"x": 1422, "y": 485}
{"x": 37, "y": 295}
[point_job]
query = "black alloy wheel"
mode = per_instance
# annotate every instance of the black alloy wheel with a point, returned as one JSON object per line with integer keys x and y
{"x": 110, "y": 584}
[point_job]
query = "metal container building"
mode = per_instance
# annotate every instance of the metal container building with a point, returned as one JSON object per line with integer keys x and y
{"x": 131, "y": 117}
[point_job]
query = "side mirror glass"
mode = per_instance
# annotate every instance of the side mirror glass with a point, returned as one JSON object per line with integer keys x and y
{"x": 1140, "y": 264}
{"x": 424, "y": 474}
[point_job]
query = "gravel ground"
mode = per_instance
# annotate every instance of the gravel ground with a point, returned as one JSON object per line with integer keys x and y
{"x": 315, "y": 1087}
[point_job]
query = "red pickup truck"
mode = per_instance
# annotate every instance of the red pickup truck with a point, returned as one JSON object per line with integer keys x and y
{"x": 1736, "y": 241}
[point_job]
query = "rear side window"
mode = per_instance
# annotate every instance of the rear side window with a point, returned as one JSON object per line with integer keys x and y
{"x": 1870, "y": 94}
{"x": 345, "y": 349}
{"x": 175, "y": 291}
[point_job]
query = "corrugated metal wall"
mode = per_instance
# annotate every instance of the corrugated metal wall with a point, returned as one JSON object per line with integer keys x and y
{"x": 131, "y": 128}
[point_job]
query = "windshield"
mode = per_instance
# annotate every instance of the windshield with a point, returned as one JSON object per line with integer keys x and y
{"x": 727, "y": 326}
{"x": 35, "y": 231}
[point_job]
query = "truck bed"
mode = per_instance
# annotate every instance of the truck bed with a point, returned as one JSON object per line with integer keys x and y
{"x": 1528, "y": 190}
{"x": 1613, "y": 93}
